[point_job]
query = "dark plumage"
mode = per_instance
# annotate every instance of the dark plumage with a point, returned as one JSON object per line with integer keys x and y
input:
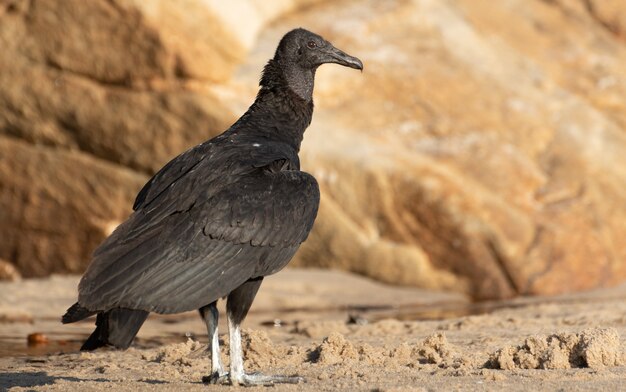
{"x": 216, "y": 219}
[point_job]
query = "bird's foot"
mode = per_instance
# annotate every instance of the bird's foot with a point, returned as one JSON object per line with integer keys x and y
{"x": 253, "y": 379}
{"x": 216, "y": 378}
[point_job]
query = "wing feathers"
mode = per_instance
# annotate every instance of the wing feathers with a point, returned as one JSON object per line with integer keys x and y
{"x": 197, "y": 234}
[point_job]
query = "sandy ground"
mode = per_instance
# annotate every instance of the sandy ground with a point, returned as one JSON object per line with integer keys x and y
{"x": 340, "y": 332}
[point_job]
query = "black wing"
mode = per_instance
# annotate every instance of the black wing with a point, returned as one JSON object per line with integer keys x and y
{"x": 172, "y": 172}
{"x": 170, "y": 257}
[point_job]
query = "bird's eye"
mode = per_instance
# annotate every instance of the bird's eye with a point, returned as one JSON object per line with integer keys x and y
{"x": 311, "y": 44}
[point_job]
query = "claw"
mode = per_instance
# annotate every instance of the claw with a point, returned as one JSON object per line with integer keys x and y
{"x": 253, "y": 379}
{"x": 216, "y": 378}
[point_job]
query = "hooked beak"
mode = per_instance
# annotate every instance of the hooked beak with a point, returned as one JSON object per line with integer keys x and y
{"x": 339, "y": 57}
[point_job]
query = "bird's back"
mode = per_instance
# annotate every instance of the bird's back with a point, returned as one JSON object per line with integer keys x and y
{"x": 228, "y": 210}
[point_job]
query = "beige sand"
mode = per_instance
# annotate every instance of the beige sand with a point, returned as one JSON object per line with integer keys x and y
{"x": 339, "y": 331}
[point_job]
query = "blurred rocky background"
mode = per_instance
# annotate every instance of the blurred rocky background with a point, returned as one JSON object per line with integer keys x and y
{"x": 482, "y": 150}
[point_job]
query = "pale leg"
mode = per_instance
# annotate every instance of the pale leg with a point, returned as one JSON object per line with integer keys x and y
{"x": 237, "y": 307}
{"x": 210, "y": 315}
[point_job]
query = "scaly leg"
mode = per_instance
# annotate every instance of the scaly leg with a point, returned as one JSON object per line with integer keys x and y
{"x": 238, "y": 376}
{"x": 239, "y": 302}
{"x": 210, "y": 315}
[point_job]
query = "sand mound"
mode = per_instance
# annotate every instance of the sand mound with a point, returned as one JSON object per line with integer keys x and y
{"x": 334, "y": 349}
{"x": 594, "y": 348}
{"x": 260, "y": 352}
{"x": 178, "y": 354}
{"x": 435, "y": 349}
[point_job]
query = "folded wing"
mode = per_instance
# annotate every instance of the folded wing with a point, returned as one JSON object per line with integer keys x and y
{"x": 180, "y": 251}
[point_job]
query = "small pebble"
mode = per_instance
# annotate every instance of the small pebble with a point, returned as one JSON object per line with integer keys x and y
{"x": 37, "y": 338}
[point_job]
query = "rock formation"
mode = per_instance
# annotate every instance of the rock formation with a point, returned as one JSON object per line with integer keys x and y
{"x": 482, "y": 150}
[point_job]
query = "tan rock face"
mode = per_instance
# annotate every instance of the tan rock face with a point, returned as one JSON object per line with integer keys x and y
{"x": 57, "y": 206}
{"x": 101, "y": 78}
{"x": 482, "y": 150}
{"x": 98, "y": 77}
{"x": 8, "y": 272}
{"x": 487, "y": 138}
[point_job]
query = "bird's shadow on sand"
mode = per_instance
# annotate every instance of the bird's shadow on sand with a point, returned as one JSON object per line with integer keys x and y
{"x": 35, "y": 379}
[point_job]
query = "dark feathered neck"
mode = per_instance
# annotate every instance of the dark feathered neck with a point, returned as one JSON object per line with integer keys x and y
{"x": 272, "y": 76}
{"x": 284, "y": 74}
{"x": 279, "y": 112}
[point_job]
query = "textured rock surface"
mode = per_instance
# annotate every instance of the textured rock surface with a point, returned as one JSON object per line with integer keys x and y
{"x": 8, "y": 272}
{"x": 92, "y": 97}
{"x": 58, "y": 205}
{"x": 98, "y": 77}
{"x": 482, "y": 150}
{"x": 490, "y": 145}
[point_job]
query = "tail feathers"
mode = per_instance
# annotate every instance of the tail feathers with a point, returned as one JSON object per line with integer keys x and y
{"x": 116, "y": 327}
{"x": 97, "y": 338}
{"x": 76, "y": 313}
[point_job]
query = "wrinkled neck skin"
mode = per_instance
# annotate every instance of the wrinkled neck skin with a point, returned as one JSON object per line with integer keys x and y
{"x": 300, "y": 81}
{"x": 283, "y": 107}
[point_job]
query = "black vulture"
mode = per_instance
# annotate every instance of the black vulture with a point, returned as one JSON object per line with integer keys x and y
{"x": 216, "y": 219}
